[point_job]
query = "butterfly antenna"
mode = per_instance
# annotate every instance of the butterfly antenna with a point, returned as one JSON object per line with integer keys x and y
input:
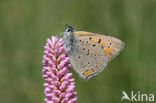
{"x": 75, "y": 19}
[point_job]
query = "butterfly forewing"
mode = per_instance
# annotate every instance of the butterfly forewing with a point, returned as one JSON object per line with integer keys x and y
{"x": 112, "y": 46}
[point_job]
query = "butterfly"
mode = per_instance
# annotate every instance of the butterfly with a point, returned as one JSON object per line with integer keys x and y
{"x": 89, "y": 53}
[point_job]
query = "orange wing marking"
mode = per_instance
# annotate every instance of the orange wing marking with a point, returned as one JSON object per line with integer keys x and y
{"x": 88, "y": 72}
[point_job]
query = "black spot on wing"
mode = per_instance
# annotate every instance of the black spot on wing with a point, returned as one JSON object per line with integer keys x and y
{"x": 88, "y": 52}
{"x": 99, "y": 40}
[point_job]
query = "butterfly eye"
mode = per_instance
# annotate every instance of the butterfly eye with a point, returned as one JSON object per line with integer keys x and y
{"x": 69, "y": 30}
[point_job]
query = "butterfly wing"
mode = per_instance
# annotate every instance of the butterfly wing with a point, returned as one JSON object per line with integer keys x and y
{"x": 112, "y": 46}
{"x": 86, "y": 57}
{"x": 91, "y": 52}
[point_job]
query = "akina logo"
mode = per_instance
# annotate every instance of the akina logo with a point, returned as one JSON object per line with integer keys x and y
{"x": 137, "y": 96}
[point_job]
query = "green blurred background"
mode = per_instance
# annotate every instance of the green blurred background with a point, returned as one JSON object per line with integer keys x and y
{"x": 26, "y": 24}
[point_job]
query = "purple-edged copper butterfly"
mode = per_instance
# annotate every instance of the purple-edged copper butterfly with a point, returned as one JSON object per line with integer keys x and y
{"x": 89, "y": 53}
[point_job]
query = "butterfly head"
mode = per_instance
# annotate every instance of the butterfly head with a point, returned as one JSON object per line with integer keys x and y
{"x": 69, "y": 31}
{"x": 69, "y": 28}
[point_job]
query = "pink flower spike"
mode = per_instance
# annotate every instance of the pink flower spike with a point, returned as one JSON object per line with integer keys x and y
{"x": 59, "y": 86}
